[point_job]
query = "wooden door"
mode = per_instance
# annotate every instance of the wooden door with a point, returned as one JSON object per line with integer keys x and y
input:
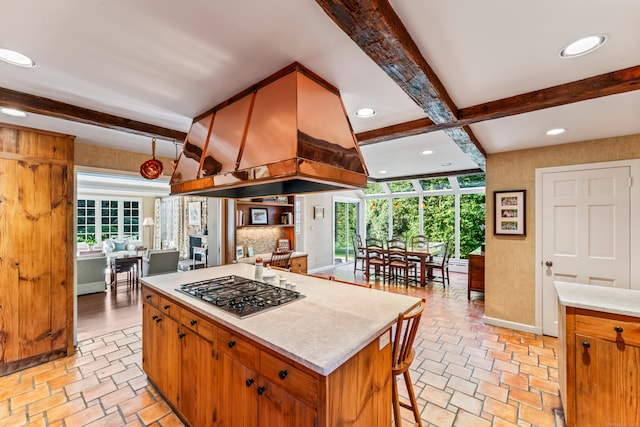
{"x": 34, "y": 260}
{"x": 198, "y": 383}
{"x": 585, "y": 232}
{"x": 238, "y": 397}
{"x": 276, "y": 407}
{"x": 607, "y": 383}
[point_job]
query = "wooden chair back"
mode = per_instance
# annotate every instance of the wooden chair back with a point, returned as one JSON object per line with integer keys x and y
{"x": 281, "y": 260}
{"x": 420, "y": 241}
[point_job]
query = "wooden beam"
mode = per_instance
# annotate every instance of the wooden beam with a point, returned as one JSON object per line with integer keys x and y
{"x": 60, "y": 110}
{"x": 613, "y": 83}
{"x": 375, "y": 27}
{"x": 607, "y": 84}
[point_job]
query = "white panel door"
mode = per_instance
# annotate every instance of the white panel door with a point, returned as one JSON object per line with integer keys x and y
{"x": 585, "y": 232}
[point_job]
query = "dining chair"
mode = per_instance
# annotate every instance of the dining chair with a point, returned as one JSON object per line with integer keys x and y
{"x": 442, "y": 266}
{"x": 376, "y": 258}
{"x": 397, "y": 260}
{"x": 419, "y": 242}
{"x": 403, "y": 352}
{"x": 359, "y": 253}
{"x": 280, "y": 260}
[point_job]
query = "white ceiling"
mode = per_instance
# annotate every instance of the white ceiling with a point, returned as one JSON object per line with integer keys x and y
{"x": 164, "y": 62}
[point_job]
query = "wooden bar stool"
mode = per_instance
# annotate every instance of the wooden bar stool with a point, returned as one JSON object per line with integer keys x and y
{"x": 405, "y": 333}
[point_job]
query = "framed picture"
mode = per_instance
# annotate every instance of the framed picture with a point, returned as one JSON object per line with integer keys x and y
{"x": 193, "y": 213}
{"x": 259, "y": 216}
{"x": 509, "y": 213}
{"x": 283, "y": 246}
{"x": 239, "y": 252}
{"x": 318, "y": 212}
{"x": 250, "y": 251}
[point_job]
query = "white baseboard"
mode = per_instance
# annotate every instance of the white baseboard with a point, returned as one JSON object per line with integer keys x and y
{"x": 512, "y": 325}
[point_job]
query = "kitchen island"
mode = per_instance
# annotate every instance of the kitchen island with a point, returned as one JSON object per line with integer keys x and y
{"x": 321, "y": 360}
{"x": 598, "y": 354}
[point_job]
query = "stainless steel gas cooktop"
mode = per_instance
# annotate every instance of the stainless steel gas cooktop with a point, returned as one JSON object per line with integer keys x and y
{"x": 240, "y": 296}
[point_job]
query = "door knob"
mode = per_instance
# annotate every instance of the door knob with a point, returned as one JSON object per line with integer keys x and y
{"x": 548, "y": 263}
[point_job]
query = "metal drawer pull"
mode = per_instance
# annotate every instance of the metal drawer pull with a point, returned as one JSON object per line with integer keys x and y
{"x": 166, "y": 306}
{"x": 249, "y": 382}
{"x": 586, "y": 344}
{"x": 261, "y": 390}
{"x": 231, "y": 344}
{"x": 618, "y": 329}
{"x": 193, "y": 322}
{"x": 283, "y": 374}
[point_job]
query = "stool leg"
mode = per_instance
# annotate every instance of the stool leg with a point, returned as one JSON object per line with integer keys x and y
{"x": 396, "y": 403}
{"x": 412, "y": 398}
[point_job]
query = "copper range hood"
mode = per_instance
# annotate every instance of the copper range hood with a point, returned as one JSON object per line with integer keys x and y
{"x": 288, "y": 134}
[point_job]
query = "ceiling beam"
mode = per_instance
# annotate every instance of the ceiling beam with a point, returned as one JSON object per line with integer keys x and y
{"x": 375, "y": 27}
{"x": 613, "y": 83}
{"x": 60, "y": 110}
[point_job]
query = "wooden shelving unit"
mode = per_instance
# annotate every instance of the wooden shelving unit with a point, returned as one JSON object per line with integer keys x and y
{"x": 239, "y": 217}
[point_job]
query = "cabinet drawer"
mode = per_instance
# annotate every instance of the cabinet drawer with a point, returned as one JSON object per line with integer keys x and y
{"x": 299, "y": 264}
{"x": 612, "y": 329}
{"x": 198, "y": 324}
{"x": 150, "y": 297}
{"x": 169, "y": 308}
{"x": 239, "y": 348}
{"x": 297, "y": 382}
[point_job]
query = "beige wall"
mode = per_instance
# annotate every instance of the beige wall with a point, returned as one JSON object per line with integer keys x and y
{"x": 109, "y": 158}
{"x": 510, "y": 269}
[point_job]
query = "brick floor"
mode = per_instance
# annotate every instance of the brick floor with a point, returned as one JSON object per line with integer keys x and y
{"x": 465, "y": 373}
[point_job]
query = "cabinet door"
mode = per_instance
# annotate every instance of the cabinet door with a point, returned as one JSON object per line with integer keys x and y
{"x": 151, "y": 332}
{"x": 607, "y": 382}
{"x": 198, "y": 382}
{"x": 161, "y": 351}
{"x": 276, "y": 407}
{"x": 237, "y": 394}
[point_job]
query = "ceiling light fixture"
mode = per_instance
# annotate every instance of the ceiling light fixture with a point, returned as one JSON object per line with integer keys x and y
{"x": 583, "y": 46}
{"x": 556, "y": 131}
{"x": 383, "y": 172}
{"x": 445, "y": 164}
{"x": 12, "y": 112}
{"x": 16, "y": 58}
{"x": 365, "y": 113}
{"x": 427, "y": 152}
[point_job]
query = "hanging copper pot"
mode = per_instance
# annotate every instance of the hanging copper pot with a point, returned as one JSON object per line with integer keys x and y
{"x": 152, "y": 168}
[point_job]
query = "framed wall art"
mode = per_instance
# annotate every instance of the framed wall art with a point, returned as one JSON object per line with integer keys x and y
{"x": 509, "y": 213}
{"x": 194, "y": 213}
{"x": 259, "y": 216}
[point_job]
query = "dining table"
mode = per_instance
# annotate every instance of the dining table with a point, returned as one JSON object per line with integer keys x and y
{"x": 424, "y": 254}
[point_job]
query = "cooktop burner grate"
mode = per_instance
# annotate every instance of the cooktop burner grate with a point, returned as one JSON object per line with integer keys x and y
{"x": 240, "y": 296}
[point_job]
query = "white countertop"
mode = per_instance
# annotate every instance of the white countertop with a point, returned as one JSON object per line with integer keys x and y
{"x": 321, "y": 331}
{"x": 599, "y": 298}
{"x": 266, "y": 257}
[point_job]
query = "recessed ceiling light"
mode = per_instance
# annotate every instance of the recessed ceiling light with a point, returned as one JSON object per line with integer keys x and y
{"x": 16, "y": 58}
{"x": 445, "y": 164}
{"x": 583, "y": 46}
{"x": 366, "y": 113}
{"x": 556, "y": 131}
{"x": 13, "y": 112}
{"x": 382, "y": 172}
{"x": 427, "y": 152}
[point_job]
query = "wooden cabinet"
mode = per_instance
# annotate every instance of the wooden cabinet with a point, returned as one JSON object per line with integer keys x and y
{"x": 299, "y": 264}
{"x": 36, "y": 247}
{"x": 178, "y": 360}
{"x": 599, "y": 354}
{"x": 227, "y": 379}
{"x": 475, "y": 278}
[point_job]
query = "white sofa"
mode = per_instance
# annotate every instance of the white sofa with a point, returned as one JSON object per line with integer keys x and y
{"x": 90, "y": 274}
{"x": 125, "y": 246}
